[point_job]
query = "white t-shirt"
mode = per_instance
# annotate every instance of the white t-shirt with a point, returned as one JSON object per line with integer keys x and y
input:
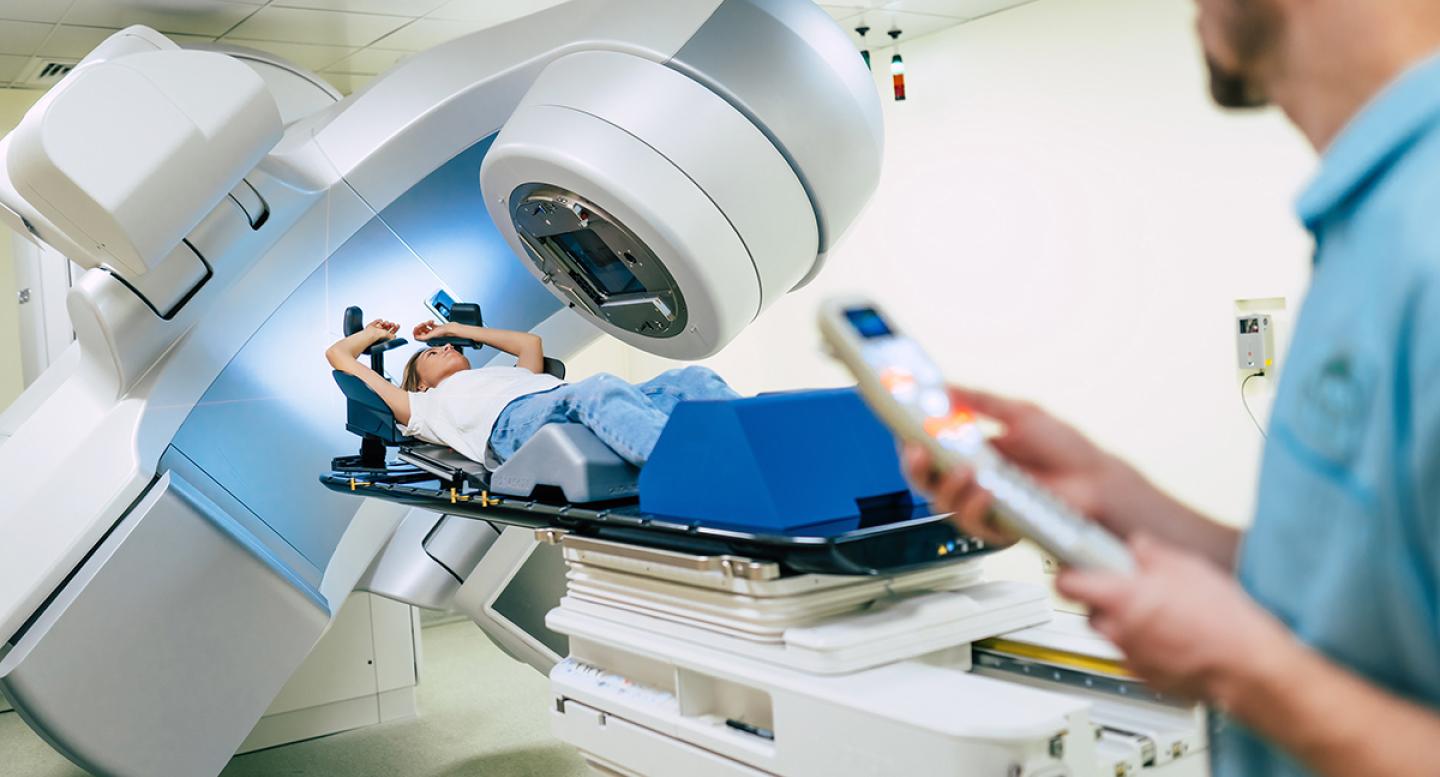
{"x": 462, "y": 410}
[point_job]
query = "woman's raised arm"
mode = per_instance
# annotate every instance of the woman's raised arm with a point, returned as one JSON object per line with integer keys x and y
{"x": 527, "y": 348}
{"x": 344, "y": 356}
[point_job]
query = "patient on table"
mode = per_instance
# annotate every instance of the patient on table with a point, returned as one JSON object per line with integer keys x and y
{"x": 443, "y": 400}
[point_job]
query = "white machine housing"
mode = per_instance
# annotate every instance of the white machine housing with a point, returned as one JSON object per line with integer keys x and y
{"x": 116, "y": 192}
{"x": 157, "y": 484}
{"x": 733, "y": 244}
{"x": 727, "y": 667}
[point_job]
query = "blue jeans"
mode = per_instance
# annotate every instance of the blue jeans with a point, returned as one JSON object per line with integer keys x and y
{"x": 625, "y": 417}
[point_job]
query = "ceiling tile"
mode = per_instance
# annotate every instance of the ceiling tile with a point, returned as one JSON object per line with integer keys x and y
{"x": 841, "y": 12}
{"x": 912, "y": 26}
{"x": 300, "y": 25}
{"x": 425, "y": 33}
{"x": 185, "y": 40}
{"x": 410, "y": 8}
{"x": 194, "y": 17}
{"x": 347, "y": 82}
{"x": 874, "y": 36}
{"x": 71, "y": 42}
{"x": 490, "y": 12}
{"x": 368, "y": 61}
{"x": 303, "y": 54}
{"x": 959, "y": 9}
{"x": 839, "y": 7}
{"x": 978, "y": 8}
{"x": 33, "y": 10}
{"x": 22, "y": 37}
{"x": 10, "y": 67}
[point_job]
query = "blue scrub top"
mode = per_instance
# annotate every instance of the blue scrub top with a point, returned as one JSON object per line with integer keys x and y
{"x": 1345, "y": 544}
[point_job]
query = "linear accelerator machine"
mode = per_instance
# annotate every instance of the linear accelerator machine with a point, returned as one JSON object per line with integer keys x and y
{"x": 167, "y": 559}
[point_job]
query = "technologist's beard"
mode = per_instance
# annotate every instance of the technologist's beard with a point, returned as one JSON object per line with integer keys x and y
{"x": 1234, "y": 90}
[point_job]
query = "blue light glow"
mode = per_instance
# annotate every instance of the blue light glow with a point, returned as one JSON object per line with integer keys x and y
{"x": 273, "y": 419}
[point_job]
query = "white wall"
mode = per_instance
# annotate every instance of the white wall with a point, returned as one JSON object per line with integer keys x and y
{"x": 13, "y": 104}
{"x": 1064, "y": 216}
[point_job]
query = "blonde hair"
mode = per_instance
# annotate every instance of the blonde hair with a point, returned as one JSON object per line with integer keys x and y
{"x": 410, "y": 378}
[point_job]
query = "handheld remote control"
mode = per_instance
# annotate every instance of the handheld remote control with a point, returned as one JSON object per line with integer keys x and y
{"x": 906, "y": 389}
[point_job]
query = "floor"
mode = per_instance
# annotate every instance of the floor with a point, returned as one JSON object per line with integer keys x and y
{"x": 481, "y": 713}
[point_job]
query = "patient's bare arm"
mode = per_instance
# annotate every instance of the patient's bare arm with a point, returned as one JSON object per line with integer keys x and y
{"x": 349, "y": 349}
{"x": 527, "y": 348}
{"x": 344, "y": 356}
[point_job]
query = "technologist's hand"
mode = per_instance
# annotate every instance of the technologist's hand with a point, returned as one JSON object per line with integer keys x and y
{"x": 1185, "y": 626}
{"x": 1055, "y": 454}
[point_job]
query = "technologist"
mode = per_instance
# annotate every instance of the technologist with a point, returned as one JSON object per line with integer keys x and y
{"x": 1315, "y": 635}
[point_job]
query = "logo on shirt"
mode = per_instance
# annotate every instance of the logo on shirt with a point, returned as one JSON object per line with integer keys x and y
{"x": 1334, "y": 407}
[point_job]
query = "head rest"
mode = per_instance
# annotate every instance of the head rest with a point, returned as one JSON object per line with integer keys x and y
{"x": 366, "y": 413}
{"x": 467, "y": 313}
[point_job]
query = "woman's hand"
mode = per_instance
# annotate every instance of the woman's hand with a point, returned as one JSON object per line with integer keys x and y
{"x": 429, "y": 329}
{"x": 381, "y": 330}
{"x": 528, "y": 350}
{"x": 344, "y": 353}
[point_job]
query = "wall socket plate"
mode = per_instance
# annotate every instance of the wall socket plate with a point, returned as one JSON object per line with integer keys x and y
{"x": 1256, "y": 320}
{"x": 1254, "y": 341}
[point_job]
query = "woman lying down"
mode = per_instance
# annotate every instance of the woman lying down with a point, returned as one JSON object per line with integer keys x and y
{"x": 443, "y": 400}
